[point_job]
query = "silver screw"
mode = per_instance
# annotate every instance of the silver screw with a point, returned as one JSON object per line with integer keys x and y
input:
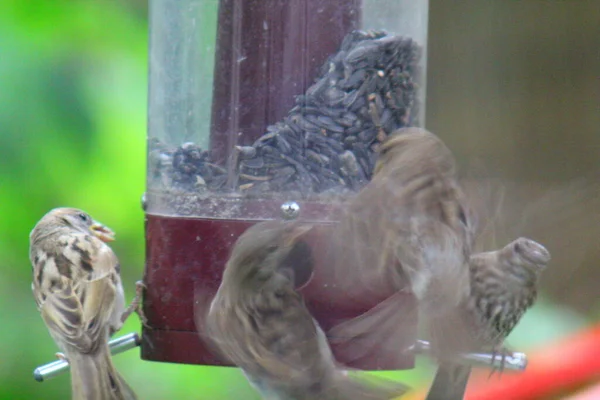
{"x": 290, "y": 210}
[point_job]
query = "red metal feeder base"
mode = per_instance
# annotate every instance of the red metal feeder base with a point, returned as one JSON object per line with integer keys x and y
{"x": 185, "y": 260}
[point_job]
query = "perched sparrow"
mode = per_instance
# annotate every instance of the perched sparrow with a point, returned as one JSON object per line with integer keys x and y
{"x": 409, "y": 230}
{"x": 260, "y": 323}
{"x": 560, "y": 214}
{"x": 78, "y": 291}
{"x": 504, "y": 286}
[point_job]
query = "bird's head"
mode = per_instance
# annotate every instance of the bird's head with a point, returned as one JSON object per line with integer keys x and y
{"x": 269, "y": 248}
{"x": 527, "y": 253}
{"x": 75, "y": 219}
{"x": 414, "y": 147}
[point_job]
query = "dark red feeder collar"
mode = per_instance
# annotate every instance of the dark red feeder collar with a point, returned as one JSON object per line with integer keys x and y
{"x": 185, "y": 261}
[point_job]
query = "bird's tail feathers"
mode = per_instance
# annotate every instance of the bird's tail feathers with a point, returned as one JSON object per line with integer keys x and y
{"x": 94, "y": 377}
{"x": 367, "y": 387}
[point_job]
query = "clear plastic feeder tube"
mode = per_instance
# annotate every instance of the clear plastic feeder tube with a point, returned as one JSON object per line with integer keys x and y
{"x": 273, "y": 99}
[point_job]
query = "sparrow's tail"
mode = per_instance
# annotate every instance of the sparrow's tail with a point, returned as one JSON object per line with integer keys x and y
{"x": 94, "y": 377}
{"x": 380, "y": 337}
{"x": 367, "y": 387}
{"x": 450, "y": 382}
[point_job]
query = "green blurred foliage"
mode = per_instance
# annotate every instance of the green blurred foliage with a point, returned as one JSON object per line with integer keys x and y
{"x": 73, "y": 79}
{"x": 73, "y": 86}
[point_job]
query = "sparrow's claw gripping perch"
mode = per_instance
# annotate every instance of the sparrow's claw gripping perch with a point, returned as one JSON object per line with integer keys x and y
{"x": 136, "y": 305}
{"x": 61, "y": 356}
{"x": 503, "y": 353}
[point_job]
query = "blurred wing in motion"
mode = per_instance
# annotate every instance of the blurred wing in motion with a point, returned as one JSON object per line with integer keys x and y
{"x": 259, "y": 322}
{"x": 374, "y": 335}
{"x": 410, "y": 227}
{"x": 410, "y": 230}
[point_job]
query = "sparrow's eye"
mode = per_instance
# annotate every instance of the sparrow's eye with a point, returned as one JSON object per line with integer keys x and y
{"x": 518, "y": 248}
{"x": 83, "y": 217}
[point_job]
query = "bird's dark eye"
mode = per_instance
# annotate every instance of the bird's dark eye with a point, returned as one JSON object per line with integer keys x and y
{"x": 83, "y": 217}
{"x": 518, "y": 248}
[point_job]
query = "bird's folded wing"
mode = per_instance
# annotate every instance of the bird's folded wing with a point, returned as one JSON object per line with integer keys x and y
{"x": 80, "y": 325}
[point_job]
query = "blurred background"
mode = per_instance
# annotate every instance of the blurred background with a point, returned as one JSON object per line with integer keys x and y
{"x": 513, "y": 88}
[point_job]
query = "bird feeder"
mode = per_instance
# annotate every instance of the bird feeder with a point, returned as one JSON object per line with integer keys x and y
{"x": 258, "y": 110}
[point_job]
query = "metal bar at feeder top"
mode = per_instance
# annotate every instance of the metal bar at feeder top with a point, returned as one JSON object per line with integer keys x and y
{"x": 55, "y": 368}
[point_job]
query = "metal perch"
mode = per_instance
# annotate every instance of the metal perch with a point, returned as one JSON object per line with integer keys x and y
{"x": 448, "y": 387}
{"x": 55, "y": 368}
{"x": 515, "y": 361}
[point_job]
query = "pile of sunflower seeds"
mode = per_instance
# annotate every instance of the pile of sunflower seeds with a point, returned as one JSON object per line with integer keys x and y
{"x": 328, "y": 142}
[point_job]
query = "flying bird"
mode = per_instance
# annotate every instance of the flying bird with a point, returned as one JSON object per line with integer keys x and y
{"x": 410, "y": 230}
{"x": 259, "y": 322}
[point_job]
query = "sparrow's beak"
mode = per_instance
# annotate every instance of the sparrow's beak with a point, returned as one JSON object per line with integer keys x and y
{"x": 296, "y": 234}
{"x": 102, "y": 232}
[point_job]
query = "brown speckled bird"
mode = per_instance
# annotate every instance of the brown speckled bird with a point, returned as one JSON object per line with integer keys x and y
{"x": 260, "y": 323}
{"x": 410, "y": 229}
{"x": 77, "y": 288}
{"x": 504, "y": 286}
